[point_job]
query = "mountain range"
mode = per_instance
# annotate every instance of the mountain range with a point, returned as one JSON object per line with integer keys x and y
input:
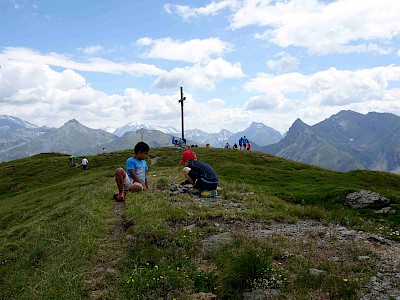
{"x": 346, "y": 141}
{"x": 260, "y": 134}
{"x": 19, "y": 138}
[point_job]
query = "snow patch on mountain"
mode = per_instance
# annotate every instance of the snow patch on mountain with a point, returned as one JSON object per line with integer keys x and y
{"x": 135, "y": 126}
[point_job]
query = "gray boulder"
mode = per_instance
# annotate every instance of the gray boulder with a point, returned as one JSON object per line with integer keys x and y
{"x": 261, "y": 294}
{"x": 366, "y": 199}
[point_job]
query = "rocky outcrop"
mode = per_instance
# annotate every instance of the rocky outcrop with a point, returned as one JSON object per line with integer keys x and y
{"x": 366, "y": 199}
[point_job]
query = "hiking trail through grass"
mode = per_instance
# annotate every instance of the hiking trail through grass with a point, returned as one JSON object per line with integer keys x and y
{"x": 111, "y": 250}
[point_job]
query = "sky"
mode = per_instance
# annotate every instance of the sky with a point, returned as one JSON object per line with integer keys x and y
{"x": 110, "y": 63}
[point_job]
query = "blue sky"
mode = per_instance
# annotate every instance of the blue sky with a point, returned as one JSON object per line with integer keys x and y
{"x": 109, "y": 63}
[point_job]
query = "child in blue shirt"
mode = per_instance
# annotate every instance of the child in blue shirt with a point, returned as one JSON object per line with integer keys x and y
{"x": 134, "y": 179}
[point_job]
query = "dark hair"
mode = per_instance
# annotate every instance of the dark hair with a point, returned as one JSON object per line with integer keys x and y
{"x": 141, "y": 147}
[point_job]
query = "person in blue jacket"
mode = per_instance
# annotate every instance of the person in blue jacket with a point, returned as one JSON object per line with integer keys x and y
{"x": 244, "y": 143}
{"x": 240, "y": 143}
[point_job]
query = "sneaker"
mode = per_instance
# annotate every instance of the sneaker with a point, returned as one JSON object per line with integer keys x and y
{"x": 208, "y": 194}
{"x": 119, "y": 197}
{"x": 194, "y": 191}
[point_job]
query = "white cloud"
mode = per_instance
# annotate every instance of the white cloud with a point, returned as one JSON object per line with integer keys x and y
{"x": 213, "y": 8}
{"x": 38, "y": 93}
{"x": 317, "y": 96}
{"x": 150, "y": 106}
{"x": 215, "y": 103}
{"x": 199, "y": 76}
{"x": 193, "y": 51}
{"x": 341, "y": 26}
{"x": 285, "y": 83}
{"x": 334, "y": 87}
{"x": 91, "y": 50}
{"x": 285, "y": 64}
{"x": 47, "y": 97}
{"x": 65, "y": 61}
{"x": 265, "y": 102}
{"x": 20, "y": 81}
{"x": 144, "y": 41}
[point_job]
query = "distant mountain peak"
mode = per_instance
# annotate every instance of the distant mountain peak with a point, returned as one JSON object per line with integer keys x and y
{"x": 298, "y": 127}
{"x": 135, "y": 126}
{"x": 299, "y": 123}
{"x": 8, "y": 120}
{"x": 225, "y": 131}
{"x": 347, "y": 114}
{"x": 255, "y": 126}
{"x": 73, "y": 121}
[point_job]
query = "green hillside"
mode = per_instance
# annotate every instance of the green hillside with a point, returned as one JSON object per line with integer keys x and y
{"x": 63, "y": 237}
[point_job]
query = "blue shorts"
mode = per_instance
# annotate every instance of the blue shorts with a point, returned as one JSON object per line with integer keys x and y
{"x": 201, "y": 183}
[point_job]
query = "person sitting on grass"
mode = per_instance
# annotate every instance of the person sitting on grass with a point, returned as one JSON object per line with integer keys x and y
{"x": 199, "y": 174}
{"x": 134, "y": 179}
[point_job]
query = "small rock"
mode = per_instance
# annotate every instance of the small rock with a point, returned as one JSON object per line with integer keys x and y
{"x": 130, "y": 238}
{"x": 204, "y": 296}
{"x": 363, "y": 257}
{"x": 348, "y": 232}
{"x": 215, "y": 241}
{"x": 386, "y": 210}
{"x": 190, "y": 227}
{"x": 378, "y": 239}
{"x": 316, "y": 272}
{"x": 111, "y": 270}
{"x": 255, "y": 295}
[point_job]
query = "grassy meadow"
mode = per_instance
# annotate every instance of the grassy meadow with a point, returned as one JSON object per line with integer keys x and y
{"x": 63, "y": 237}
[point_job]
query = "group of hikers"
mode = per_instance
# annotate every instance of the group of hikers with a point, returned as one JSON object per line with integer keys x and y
{"x": 178, "y": 142}
{"x": 182, "y": 143}
{"x": 84, "y": 162}
{"x": 244, "y": 144}
{"x": 73, "y": 163}
{"x": 134, "y": 177}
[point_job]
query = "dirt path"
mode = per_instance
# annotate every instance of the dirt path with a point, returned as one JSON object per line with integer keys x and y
{"x": 110, "y": 251}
